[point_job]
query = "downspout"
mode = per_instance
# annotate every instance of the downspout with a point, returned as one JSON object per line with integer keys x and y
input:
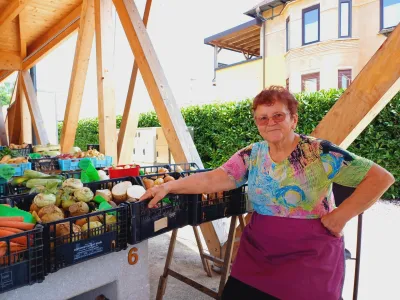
{"x": 214, "y": 81}
{"x": 260, "y": 17}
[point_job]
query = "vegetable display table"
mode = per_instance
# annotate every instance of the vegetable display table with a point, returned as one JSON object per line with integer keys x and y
{"x": 119, "y": 275}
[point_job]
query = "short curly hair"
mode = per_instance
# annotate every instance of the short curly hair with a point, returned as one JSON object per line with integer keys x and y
{"x": 275, "y": 93}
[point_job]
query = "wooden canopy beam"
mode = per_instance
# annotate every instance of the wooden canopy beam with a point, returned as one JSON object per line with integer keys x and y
{"x": 130, "y": 118}
{"x": 175, "y": 129}
{"x": 30, "y": 94}
{"x": 78, "y": 75}
{"x": 365, "y": 97}
{"x": 179, "y": 140}
{"x": 26, "y": 121}
{"x": 10, "y": 61}
{"x": 12, "y": 10}
{"x": 104, "y": 27}
{"x": 49, "y": 41}
{"x": 4, "y": 74}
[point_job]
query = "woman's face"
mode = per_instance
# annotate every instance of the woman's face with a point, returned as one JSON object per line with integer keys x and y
{"x": 274, "y": 122}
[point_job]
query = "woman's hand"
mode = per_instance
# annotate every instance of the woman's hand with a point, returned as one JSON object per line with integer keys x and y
{"x": 157, "y": 193}
{"x": 334, "y": 222}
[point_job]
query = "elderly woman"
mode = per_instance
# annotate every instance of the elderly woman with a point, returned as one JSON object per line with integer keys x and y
{"x": 293, "y": 247}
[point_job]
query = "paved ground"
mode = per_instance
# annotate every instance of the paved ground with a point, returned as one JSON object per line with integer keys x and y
{"x": 380, "y": 264}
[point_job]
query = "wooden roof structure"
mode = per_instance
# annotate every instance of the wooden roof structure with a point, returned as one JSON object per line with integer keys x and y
{"x": 29, "y": 29}
{"x": 244, "y": 38}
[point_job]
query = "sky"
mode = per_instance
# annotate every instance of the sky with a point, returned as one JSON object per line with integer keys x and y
{"x": 177, "y": 30}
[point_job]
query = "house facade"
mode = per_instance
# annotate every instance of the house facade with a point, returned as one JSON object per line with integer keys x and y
{"x": 307, "y": 45}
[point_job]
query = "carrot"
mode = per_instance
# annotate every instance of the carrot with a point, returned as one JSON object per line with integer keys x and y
{"x": 20, "y": 240}
{"x": 14, "y": 248}
{"x": 15, "y": 219}
{"x": 18, "y": 225}
{"x": 15, "y": 230}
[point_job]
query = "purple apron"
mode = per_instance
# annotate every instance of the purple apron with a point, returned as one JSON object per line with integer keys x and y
{"x": 291, "y": 259}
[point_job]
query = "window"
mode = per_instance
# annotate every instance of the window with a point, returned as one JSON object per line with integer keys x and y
{"x": 287, "y": 34}
{"x": 344, "y": 78}
{"x": 311, "y": 26}
{"x": 390, "y": 13}
{"x": 310, "y": 82}
{"x": 344, "y": 18}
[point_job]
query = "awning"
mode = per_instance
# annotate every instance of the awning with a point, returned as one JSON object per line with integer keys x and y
{"x": 266, "y": 5}
{"x": 244, "y": 38}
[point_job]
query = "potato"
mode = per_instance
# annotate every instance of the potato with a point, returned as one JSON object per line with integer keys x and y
{"x": 148, "y": 183}
{"x": 168, "y": 178}
{"x": 158, "y": 181}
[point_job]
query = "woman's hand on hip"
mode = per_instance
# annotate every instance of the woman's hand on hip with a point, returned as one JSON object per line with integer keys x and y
{"x": 334, "y": 222}
{"x": 156, "y": 193}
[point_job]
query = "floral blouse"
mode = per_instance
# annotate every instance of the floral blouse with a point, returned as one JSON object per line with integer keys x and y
{"x": 301, "y": 185}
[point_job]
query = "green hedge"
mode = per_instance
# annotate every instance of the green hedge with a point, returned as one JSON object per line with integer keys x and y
{"x": 222, "y": 129}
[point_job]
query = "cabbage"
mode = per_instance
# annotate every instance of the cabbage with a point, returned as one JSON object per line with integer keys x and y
{"x": 84, "y": 194}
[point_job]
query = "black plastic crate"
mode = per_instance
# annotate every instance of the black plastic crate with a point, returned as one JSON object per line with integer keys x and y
{"x": 110, "y": 183}
{"x": 184, "y": 166}
{"x": 76, "y": 174}
{"x": 45, "y": 164}
{"x": 209, "y": 207}
{"x": 22, "y": 152}
{"x": 93, "y": 147}
{"x": 24, "y": 267}
{"x": 170, "y": 213}
{"x": 153, "y": 169}
{"x": 17, "y": 189}
{"x": 63, "y": 251}
{"x": 3, "y": 187}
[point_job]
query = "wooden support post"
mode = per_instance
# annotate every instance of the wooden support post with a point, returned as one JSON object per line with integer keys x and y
{"x": 3, "y": 132}
{"x": 78, "y": 75}
{"x": 366, "y": 96}
{"x": 130, "y": 118}
{"x": 179, "y": 139}
{"x": 38, "y": 125}
{"x": 26, "y": 121}
{"x": 14, "y": 123}
{"x": 11, "y": 111}
{"x": 104, "y": 26}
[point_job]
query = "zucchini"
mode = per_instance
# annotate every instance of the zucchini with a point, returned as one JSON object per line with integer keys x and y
{"x": 43, "y": 182}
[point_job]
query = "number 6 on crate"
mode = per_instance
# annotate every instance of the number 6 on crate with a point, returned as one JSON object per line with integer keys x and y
{"x": 133, "y": 257}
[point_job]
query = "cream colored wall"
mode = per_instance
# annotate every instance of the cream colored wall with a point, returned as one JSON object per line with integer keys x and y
{"x": 239, "y": 81}
{"x": 331, "y": 53}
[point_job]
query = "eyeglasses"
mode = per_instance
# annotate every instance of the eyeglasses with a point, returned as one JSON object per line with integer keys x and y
{"x": 264, "y": 120}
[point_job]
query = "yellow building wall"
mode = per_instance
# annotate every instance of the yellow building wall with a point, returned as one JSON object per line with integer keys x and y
{"x": 326, "y": 57}
{"x": 331, "y": 53}
{"x": 239, "y": 81}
